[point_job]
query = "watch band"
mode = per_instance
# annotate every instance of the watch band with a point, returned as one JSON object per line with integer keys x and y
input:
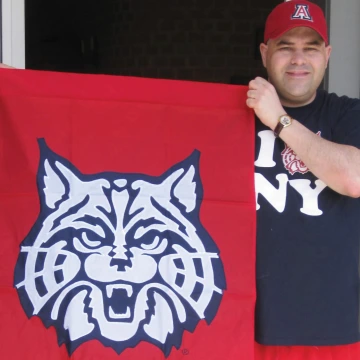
{"x": 283, "y": 121}
{"x": 279, "y": 126}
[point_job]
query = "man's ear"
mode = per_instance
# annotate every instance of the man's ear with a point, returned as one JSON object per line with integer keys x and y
{"x": 263, "y": 52}
{"x": 327, "y": 54}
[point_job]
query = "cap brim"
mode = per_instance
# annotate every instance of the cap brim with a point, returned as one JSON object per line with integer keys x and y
{"x": 277, "y": 34}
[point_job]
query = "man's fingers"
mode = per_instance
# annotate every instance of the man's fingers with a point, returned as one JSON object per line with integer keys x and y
{"x": 259, "y": 83}
{"x": 261, "y": 80}
{"x": 250, "y": 103}
{"x": 4, "y": 66}
{"x": 251, "y": 94}
{"x": 253, "y": 85}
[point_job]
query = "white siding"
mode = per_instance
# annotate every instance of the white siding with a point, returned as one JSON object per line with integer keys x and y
{"x": 344, "y": 69}
{"x": 13, "y": 33}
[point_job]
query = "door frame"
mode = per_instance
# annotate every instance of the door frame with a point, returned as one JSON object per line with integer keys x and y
{"x": 344, "y": 67}
{"x": 12, "y": 47}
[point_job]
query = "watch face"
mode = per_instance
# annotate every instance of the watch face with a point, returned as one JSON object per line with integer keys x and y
{"x": 285, "y": 120}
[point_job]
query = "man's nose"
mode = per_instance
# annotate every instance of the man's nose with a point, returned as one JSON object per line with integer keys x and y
{"x": 298, "y": 58}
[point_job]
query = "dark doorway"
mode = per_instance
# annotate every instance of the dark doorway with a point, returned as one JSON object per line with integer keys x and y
{"x": 202, "y": 40}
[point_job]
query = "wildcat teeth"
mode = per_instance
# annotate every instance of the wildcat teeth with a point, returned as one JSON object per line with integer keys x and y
{"x": 113, "y": 315}
{"x": 110, "y": 289}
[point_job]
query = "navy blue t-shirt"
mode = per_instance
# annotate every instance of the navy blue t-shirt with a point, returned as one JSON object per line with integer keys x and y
{"x": 307, "y": 269}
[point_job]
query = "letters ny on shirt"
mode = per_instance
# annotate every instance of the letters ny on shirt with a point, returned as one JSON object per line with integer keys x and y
{"x": 277, "y": 196}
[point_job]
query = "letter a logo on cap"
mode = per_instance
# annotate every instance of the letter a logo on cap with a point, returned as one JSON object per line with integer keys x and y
{"x": 302, "y": 12}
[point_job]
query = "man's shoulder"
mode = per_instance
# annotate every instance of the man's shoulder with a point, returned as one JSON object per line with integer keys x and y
{"x": 343, "y": 101}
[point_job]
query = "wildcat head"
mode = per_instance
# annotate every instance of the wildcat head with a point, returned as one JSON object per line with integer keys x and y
{"x": 121, "y": 258}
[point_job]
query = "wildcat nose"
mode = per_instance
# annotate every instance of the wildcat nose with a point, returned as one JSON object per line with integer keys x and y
{"x": 120, "y": 257}
{"x": 120, "y": 264}
{"x": 140, "y": 268}
{"x": 120, "y": 252}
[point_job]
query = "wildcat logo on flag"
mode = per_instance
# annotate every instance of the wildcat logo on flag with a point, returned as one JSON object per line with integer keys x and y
{"x": 120, "y": 207}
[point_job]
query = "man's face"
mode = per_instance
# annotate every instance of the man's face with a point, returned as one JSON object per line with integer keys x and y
{"x": 296, "y": 63}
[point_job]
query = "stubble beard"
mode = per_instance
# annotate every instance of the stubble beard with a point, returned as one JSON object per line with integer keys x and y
{"x": 294, "y": 95}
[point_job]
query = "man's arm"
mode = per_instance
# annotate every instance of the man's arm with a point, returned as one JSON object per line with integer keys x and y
{"x": 337, "y": 165}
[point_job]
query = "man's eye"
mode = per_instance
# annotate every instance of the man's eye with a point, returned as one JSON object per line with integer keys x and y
{"x": 310, "y": 49}
{"x": 285, "y": 48}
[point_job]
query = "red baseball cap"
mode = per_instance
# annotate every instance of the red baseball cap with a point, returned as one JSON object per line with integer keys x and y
{"x": 292, "y": 14}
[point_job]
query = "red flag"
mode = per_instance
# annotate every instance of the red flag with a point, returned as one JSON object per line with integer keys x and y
{"x": 127, "y": 218}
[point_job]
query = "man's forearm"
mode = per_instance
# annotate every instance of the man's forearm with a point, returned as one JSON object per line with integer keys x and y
{"x": 336, "y": 165}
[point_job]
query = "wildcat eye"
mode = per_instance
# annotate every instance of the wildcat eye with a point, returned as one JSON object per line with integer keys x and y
{"x": 88, "y": 242}
{"x": 153, "y": 245}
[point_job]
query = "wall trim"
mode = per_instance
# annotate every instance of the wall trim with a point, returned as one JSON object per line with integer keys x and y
{"x": 344, "y": 68}
{"x": 13, "y": 33}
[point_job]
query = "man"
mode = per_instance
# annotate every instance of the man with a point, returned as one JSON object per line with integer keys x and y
{"x": 307, "y": 178}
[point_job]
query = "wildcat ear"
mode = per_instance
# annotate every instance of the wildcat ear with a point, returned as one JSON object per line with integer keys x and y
{"x": 54, "y": 188}
{"x": 53, "y": 178}
{"x": 184, "y": 190}
{"x": 188, "y": 189}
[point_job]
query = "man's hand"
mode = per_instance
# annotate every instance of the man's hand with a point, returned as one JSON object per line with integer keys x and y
{"x": 4, "y": 66}
{"x": 262, "y": 97}
{"x": 338, "y": 166}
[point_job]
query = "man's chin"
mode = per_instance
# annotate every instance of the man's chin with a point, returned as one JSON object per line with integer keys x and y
{"x": 295, "y": 97}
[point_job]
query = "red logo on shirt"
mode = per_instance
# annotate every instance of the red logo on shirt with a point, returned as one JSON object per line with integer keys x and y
{"x": 292, "y": 162}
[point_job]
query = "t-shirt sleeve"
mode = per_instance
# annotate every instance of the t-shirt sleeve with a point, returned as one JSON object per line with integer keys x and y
{"x": 347, "y": 129}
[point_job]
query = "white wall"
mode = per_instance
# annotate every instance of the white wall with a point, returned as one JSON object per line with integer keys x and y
{"x": 13, "y": 33}
{"x": 344, "y": 68}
